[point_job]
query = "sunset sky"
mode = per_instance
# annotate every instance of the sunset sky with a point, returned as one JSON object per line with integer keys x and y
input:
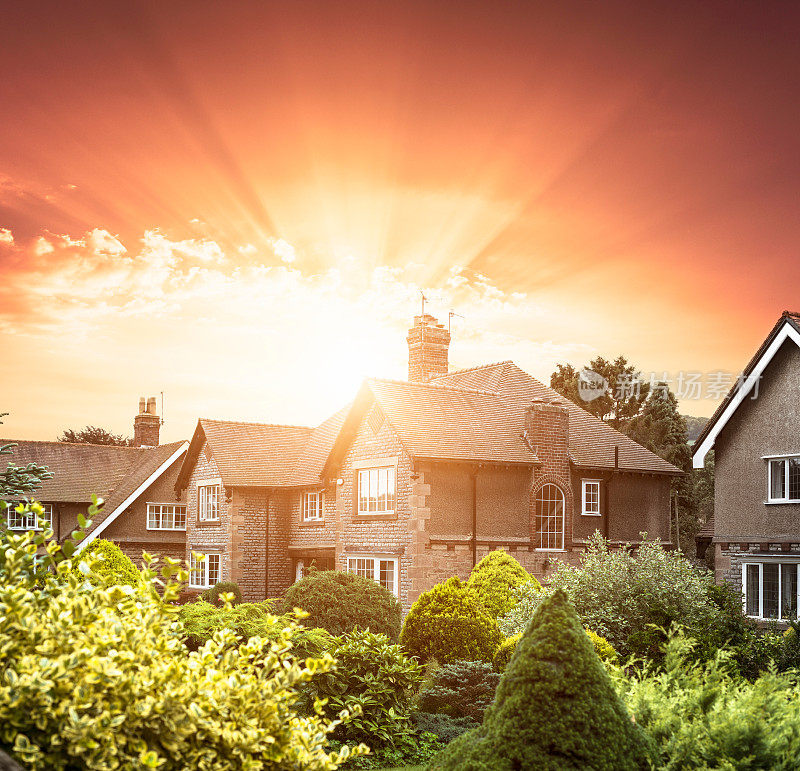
{"x": 238, "y": 203}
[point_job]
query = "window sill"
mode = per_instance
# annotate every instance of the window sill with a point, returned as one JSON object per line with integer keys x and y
{"x": 560, "y": 551}
{"x": 312, "y": 523}
{"x": 591, "y": 514}
{"x": 782, "y": 503}
{"x": 374, "y": 516}
{"x": 208, "y": 523}
{"x": 166, "y": 529}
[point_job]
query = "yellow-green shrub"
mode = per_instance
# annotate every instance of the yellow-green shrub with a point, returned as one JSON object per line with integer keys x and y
{"x": 107, "y": 561}
{"x": 97, "y": 677}
{"x": 494, "y": 580}
{"x": 446, "y": 623}
{"x": 602, "y": 647}
{"x": 505, "y": 652}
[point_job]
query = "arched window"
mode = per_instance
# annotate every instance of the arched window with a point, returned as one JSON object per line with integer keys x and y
{"x": 550, "y": 517}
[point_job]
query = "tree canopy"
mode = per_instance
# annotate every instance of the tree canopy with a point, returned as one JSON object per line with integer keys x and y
{"x": 95, "y": 435}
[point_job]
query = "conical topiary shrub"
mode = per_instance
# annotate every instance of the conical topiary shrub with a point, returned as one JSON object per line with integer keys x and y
{"x": 555, "y": 708}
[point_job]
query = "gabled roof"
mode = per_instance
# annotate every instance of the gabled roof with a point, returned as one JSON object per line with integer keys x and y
{"x": 592, "y": 442}
{"x": 118, "y": 475}
{"x": 786, "y": 328}
{"x": 478, "y": 415}
{"x": 248, "y": 454}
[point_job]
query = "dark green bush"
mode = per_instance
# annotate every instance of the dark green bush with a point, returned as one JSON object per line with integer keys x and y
{"x": 201, "y": 621}
{"x": 461, "y": 689}
{"x": 377, "y": 676}
{"x": 423, "y": 748}
{"x": 105, "y": 561}
{"x": 446, "y": 623}
{"x": 493, "y": 582}
{"x": 341, "y": 602}
{"x": 212, "y": 595}
{"x": 444, "y": 727}
{"x": 556, "y": 707}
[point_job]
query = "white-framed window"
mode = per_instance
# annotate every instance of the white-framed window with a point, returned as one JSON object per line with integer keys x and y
{"x": 204, "y": 573}
{"x": 208, "y": 503}
{"x": 770, "y": 589}
{"x": 378, "y": 568}
{"x": 166, "y": 516}
{"x": 783, "y": 484}
{"x": 550, "y": 517}
{"x": 27, "y": 520}
{"x": 313, "y": 506}
{"x": 376, "y": 490}
{"x": 590, "y": 496}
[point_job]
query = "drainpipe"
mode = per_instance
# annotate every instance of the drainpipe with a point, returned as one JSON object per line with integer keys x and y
{"x": 474, "y": 518}
{"x": 266, "y": 545}
{"x": 608, "y": 493}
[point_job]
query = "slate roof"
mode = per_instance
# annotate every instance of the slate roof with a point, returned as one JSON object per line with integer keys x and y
{"x": 110, "y": 471}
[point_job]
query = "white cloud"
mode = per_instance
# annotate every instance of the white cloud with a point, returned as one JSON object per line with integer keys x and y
{"x": 6, "y": 236}
{"x": 283, "y": 249}
{"x": 102, "y": 242}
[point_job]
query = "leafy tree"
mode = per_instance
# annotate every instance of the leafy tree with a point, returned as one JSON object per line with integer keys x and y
{"x": 622, "y": 401}
{"x": 20, "y": 480}
{"x": 694, "y": 426}
{"x": 95, "y": 435}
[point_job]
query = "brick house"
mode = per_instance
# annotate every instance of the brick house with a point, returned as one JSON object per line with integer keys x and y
{"x": 416, "y": 481}
{"x": 137, "y": 483}
{"x": 754, "y": 535}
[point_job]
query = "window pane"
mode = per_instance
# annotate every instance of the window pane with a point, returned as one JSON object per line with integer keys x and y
{"x": 752, "y": 590}
{"x": 180, "y": 518}
{"x": 550, "y": 517}
{"x": 167, "y": 518}
{"x": 373, "y": 489}
{"x": 777, "y": 486}
{"x": 794, "y": 479}
{"x": 213, "y": 569}
{"x": 770, "y": 579}
{"x": 363, "y": 490}
{"x": 788, "y": 591}
{"x": 387, "y": 574}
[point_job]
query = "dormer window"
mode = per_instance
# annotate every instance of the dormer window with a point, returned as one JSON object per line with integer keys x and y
{"x": 784, "y": 480}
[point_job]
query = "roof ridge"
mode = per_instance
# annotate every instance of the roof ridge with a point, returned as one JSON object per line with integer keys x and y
{"x": 254, "y": 423}
{"x": 75, "y": 444}
{"x": 441, "y": 386}
{"x": 472, "y": 369}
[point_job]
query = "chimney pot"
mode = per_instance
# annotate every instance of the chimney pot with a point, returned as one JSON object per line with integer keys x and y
{"x": 147, "y": 424}
{"x": 151, "y": 405}
{"x": 142, "y": 409}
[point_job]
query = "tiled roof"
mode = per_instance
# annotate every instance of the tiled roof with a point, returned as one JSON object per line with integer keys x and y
{"x": 311, "y": 460}
{"x": 592, "y": 442}
{"x": 254, "y": 454}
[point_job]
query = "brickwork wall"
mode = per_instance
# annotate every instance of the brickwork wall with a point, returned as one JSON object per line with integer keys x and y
{"x": 312, "y": 535}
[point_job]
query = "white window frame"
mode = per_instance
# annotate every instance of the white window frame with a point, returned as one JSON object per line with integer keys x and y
{"x": 539, "y": 531}
{"x": 373, "y": 568}
{"x": 315, "y": 512}
{"x": 585, "y": 484}
{"x": 205, "y": 569}
{"x": 389, "y": 470}
{"x": 785, "y": 460}
{"x": 760, "y": 566}
{"x": 203, "y": 501}
{"x": 157, "y": 509}
{"x": 22, "y": 527}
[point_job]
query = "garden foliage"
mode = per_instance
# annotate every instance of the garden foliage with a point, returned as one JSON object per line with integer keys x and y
{"x": 461, "y": 689}
{"x": 704, "y": 715}
{"x": 630, "y": 599}
{"x": 108, "y": 564}
{"x": 602, "y": 647}
{"x": 446, "y": 623}
{"x": 97, "y": 677}
{"x": 340, "y": 602}
{"x": 493, "y": 580}
{"x": 212, "y": 595}
{"x": 555, "y": 708}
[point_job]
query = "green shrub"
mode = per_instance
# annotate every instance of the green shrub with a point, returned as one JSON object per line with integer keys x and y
{"x": 447, "y": 624}
{"x": 505, "y": 652}
{"x": 704, "y": 715}
{"x": 556, "y": 707}
{"x": 341, "y": 602}
{"x": 97, "y": 677}
{"x": 628, "y": 598}
{"x": 602, "y": 647}
{"x": 212, "y": 595}
{"x": 443, "y": 727}
{"x": 493, "y": 582}
{"x": 106, "y": 561}
{"x": 201, "y": 621}
{"x": 461, "y": 689}
{"x": 378, "y": 677}
{"x": 424, "y": 747}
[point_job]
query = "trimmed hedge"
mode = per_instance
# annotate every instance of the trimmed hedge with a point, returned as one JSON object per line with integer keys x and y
{"x": 106, "y": 562}
{"x": 556, "y": 708}
{"x": 446, "y": 623}
{"x": 212, "y": 595}
{"x": 493, "y": 582}
{"x": 341, "y": 602}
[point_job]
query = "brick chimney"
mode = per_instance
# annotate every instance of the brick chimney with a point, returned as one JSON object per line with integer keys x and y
{"x": 428, "y": 343}
{"x": 147, "y": 424}
{"x": 547, "y": 433}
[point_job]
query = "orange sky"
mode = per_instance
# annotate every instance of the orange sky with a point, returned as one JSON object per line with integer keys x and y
{"x": 237, "y": 203}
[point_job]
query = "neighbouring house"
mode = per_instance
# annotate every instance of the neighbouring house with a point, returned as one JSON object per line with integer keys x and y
{"x": 141, "y": 510}
{"x": 416, "y": 481}
{"x": 754, "y": 536}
